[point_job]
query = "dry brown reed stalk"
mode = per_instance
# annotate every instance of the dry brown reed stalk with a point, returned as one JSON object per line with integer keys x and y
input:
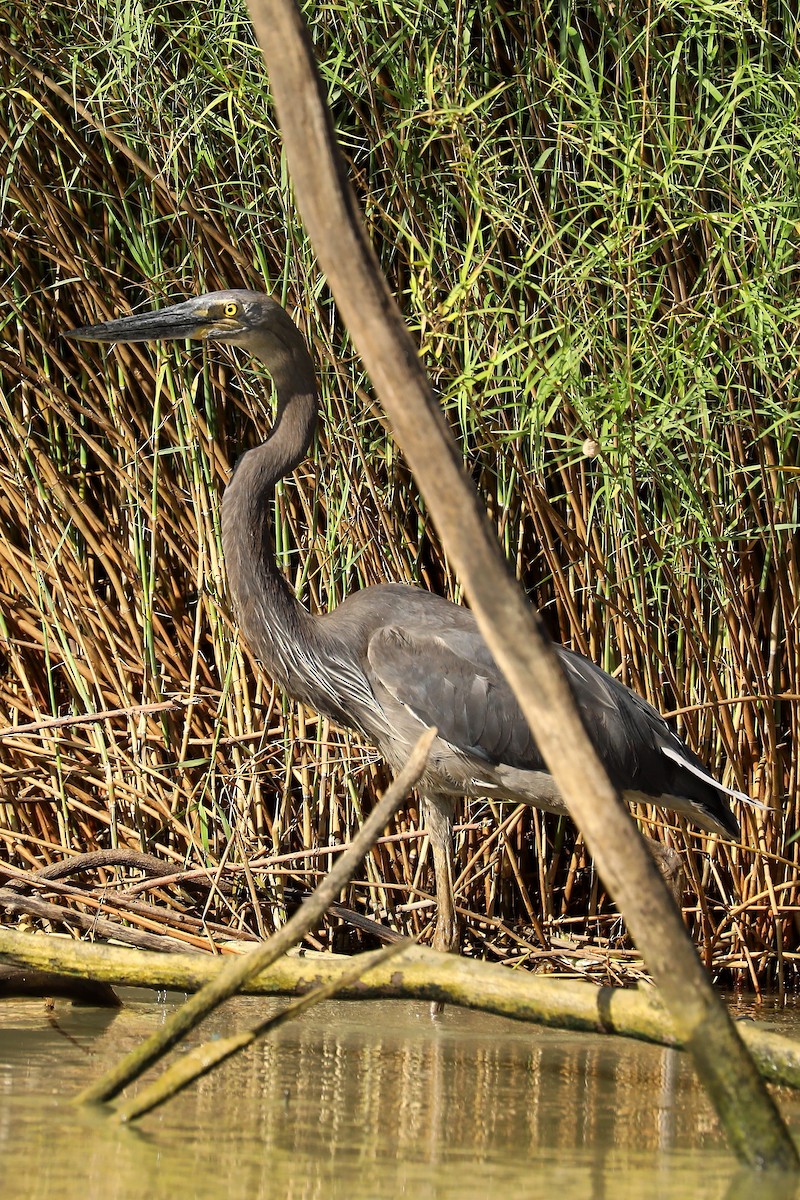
{"x": 560, "y": 290}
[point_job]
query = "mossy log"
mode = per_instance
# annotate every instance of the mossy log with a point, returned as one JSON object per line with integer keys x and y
{"x": 422, "y": 974}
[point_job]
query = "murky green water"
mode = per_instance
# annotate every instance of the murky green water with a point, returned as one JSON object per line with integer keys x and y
{"x": 364, "y": 1101}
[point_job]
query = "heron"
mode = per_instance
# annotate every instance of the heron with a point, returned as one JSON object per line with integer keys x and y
{"x": 392, "y": 659}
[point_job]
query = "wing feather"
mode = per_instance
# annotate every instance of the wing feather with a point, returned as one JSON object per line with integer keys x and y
{"x": 448, "y": 679}
{"x": 441, "y": 670}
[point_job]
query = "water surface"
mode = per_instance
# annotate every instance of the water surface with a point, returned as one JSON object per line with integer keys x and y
{"x": 364, "y": 1100}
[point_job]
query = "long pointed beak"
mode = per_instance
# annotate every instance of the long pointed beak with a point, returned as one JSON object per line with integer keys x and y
{"x": 185, "y": 320}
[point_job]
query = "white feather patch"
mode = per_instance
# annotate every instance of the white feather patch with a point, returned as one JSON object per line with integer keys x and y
{"x": 677, "y": 757}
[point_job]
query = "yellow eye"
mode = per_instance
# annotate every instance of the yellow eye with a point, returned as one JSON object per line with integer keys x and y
{"x": 231, "y": 309}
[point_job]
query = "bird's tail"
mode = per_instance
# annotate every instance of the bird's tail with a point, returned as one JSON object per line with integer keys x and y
{"x": 687, "y": 765}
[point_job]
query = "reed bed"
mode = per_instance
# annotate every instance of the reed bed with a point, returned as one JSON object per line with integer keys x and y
{"x": 590, "y": 217}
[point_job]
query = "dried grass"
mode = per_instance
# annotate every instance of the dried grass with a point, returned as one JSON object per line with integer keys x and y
{"x": 592, "y": 228}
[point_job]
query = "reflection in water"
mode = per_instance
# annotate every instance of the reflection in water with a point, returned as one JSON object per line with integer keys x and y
{"x": 365, "y": 1100}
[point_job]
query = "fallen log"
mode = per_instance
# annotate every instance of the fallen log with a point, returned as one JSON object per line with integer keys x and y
{"x": 422, "y": 974}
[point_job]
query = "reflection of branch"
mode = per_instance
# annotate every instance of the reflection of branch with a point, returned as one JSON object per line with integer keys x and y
{"x": 509, "y": 624}
{"x": 22, "y": 981}
{"x": 237, "y": 972}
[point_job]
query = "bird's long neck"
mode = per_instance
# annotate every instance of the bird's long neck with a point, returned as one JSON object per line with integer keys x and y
{"x": 273, "y": 621}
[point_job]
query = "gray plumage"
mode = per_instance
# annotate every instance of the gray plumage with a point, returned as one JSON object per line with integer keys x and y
{"x": 392, "y": 659}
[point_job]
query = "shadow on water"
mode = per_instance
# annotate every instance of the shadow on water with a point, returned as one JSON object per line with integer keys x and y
{"x": 367, "y": 1100}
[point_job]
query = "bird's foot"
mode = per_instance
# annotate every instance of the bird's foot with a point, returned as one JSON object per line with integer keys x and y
{"x": 446, "y": 939}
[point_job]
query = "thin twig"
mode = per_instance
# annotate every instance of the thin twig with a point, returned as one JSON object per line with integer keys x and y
{"x": 48, "y": 723}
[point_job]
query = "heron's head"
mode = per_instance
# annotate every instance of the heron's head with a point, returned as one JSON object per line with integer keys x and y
{"x": 231, "y": 316}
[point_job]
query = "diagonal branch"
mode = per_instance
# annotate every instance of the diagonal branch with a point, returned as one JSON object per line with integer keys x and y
{"x": 511, "y": 627}
{"x": 238, "y": 971}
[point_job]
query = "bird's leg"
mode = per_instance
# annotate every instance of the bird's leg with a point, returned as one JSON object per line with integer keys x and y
{"x": 438, "y": 817}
